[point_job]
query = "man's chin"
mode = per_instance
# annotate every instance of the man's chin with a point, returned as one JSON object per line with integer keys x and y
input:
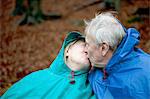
{"x": 99, "y": 65}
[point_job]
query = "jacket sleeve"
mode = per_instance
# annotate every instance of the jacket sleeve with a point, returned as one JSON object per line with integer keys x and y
{"x": 95, "y": 78}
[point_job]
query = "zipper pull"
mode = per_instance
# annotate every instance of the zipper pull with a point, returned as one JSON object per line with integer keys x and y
{"x": 105, "y": 74}
{"x": 72, "y": 80}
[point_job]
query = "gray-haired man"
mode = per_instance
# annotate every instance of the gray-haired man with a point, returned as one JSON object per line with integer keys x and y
{"x": 120, "y": 67}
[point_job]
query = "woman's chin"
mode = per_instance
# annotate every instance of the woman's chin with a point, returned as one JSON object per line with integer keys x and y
{"x": 86, "y": 63}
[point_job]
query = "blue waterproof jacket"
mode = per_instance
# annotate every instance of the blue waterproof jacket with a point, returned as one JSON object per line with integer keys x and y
{"x": 128, "y": 72}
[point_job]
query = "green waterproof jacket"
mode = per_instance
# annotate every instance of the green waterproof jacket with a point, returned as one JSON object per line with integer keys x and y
{"x": 55, "y": 82}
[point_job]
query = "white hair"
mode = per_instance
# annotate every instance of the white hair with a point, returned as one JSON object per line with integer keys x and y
{"x": 106, "y": 29}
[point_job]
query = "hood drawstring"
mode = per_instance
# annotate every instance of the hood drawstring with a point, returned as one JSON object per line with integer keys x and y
{"x": 72, "y": 80}
{"x": 105, "y": 74}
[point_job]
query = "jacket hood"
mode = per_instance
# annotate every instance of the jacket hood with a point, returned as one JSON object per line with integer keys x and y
{"x": 127, "y": 45}
{"x": 58, "y": 66}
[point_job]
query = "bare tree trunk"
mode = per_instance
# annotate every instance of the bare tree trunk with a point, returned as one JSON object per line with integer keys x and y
{"x": 32, "y": 13}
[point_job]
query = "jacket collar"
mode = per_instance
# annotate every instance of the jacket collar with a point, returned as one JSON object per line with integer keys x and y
{"x": 124, "y": 50}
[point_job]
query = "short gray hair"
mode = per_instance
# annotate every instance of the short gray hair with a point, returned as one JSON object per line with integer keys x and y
{"x": 106, "y": 29}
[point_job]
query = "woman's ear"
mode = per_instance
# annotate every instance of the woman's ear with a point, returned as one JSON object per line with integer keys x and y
{"x": 104, "y": 49}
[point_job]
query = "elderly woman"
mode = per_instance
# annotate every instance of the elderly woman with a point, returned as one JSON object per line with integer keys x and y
{"x": 121, "y": 68}
{"x": 65, "y": 79}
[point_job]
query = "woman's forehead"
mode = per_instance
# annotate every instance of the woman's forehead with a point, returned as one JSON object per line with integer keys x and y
{"x": 78, "y": 43}
{"x": 75, "y": 43}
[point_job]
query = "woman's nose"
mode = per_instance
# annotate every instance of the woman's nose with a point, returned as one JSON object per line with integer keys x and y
{"x": 85, "y": 50}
